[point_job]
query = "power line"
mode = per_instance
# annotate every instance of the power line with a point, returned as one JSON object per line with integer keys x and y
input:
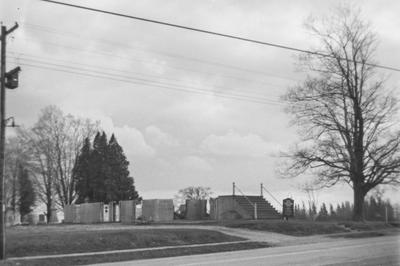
{"x": 217, "y": 34}
{"x": 260, "y": 73}
{"x": 140, "y": 79}
{"x": 171, "y": 55}
{"x": 169, "y": 66}
{"x": 18, "y": 56}
{"x": 159, "y": 85}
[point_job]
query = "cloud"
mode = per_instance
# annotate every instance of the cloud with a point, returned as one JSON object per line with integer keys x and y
{"x": 195, "y": 163}
{"x": 233, "y": 144}
{"x": 131, "y": 139}
{"x": 159, "y": 138}
{"x": 133, "y": 142}
{"x": 155, "y": 66}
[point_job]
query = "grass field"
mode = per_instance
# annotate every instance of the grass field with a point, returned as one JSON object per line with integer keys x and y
{"x": 39, "y": 241}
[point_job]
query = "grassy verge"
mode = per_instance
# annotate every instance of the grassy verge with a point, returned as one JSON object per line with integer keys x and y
{"x": 367, "y": 226}
{"x": 82, "y": 260}
{"x": 307, "y": 228}
{"x": 34, "y": 241}
{"x": 359, "y": 235}
{"x": 295, "y": 228}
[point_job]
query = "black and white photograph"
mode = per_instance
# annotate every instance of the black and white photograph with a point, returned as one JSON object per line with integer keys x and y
{"x": 200, "y": 132}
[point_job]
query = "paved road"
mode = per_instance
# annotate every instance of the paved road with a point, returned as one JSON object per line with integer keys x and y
{"x": 383, "y": 250}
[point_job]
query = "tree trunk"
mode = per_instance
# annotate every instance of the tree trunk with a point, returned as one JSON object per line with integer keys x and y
{"x": 48, "y": 213}
{"x": 359, "y": 195}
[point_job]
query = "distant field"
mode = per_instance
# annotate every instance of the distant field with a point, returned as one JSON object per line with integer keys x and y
{"x": 46, "y": 240}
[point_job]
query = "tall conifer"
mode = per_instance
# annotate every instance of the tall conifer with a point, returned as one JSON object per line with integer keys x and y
{"x": 99, "y": 167}
{"x": 82, "y": 173}
{"x": 121, "y": 186}
{"x": 27, "y": 195}
{"x": 103, "y": 173}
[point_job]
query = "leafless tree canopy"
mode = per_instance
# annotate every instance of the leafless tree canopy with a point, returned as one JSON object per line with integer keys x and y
{"x": 15, "y": 156}
{"x": 345, "y": 114}
{"x": 192, "y": 193}
{"x": 54, "y": 143}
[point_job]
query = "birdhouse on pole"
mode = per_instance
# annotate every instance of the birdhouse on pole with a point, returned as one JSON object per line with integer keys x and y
{"x": 12, "y": 78}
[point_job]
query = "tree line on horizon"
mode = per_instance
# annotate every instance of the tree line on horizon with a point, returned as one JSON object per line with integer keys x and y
{"x": 375, "y": 209}
{"x": 52, "y": 162}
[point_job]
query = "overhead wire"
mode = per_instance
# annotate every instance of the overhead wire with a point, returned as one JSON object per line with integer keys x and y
{"x": 179, "y": 68}
{"x": 175, "y": 88}
{"x": 171, "y": 55}
{"x": 141, "y": 74}
{"x": 280, "y": 46}
{"x": 137, "y": 81}
{"x": 150, "y": 78}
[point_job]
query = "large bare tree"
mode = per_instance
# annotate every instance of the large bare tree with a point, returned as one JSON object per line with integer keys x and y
{"x": 55, "y": 141}
{"x": 15, "y": 156}
{"x": 192, "y": 193}
{"x": 346, "y": 116}
{"x": 42, "y": 164}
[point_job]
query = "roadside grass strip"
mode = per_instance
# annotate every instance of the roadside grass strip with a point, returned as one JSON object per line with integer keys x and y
{"x": 294, "y": 228}
{"x": 122, "y": 251}
{"x": 23, "y": 242}
{"x": 308, "y": 228}
{"x": 134, "y": 254}
{"x": 359, "y": 235}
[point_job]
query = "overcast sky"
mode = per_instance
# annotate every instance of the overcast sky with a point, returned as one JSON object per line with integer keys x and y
{"x": 187, "y": 108}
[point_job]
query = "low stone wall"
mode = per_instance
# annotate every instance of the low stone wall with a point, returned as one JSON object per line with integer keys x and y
{"x": 12, "y": 217}
{"x": 71, "y": 214}
{"x": 227, "y": 208}
{"x": 196, "y": 209}
{"x": 85, "y": 213}
{"x": 127, "y": 211}
{"x": 158, "y": 210}
{"x": 91, "y": 213}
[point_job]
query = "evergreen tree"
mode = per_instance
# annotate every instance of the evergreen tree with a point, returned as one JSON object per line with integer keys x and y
{"x": 342, "y": 211}
{"x": 27, "y": 195}
{"x": 303, "y": 210}
{"x": 82, "y": 173}
{"x": 390, "y": 210}
{"x": 332, "y": 213}
{"x": 102, "y": 172}
{"x": 348, "y": 211}
{"x": 312, "y": 211}
{"x": 381, "y": 208}
{"x": 99, "y": 168}
{"x": 120, "y": 185}
{"x": 373, "y": 209}
{"x": 323, "y": 213}
{"x": 296, "y": 210}
{"x": 366, "y": 207}
{"x": 339, "y": 212}
{"x": 300, "y": 211}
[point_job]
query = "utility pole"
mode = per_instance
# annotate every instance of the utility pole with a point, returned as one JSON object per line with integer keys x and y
{"x": 8, "y": 80}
